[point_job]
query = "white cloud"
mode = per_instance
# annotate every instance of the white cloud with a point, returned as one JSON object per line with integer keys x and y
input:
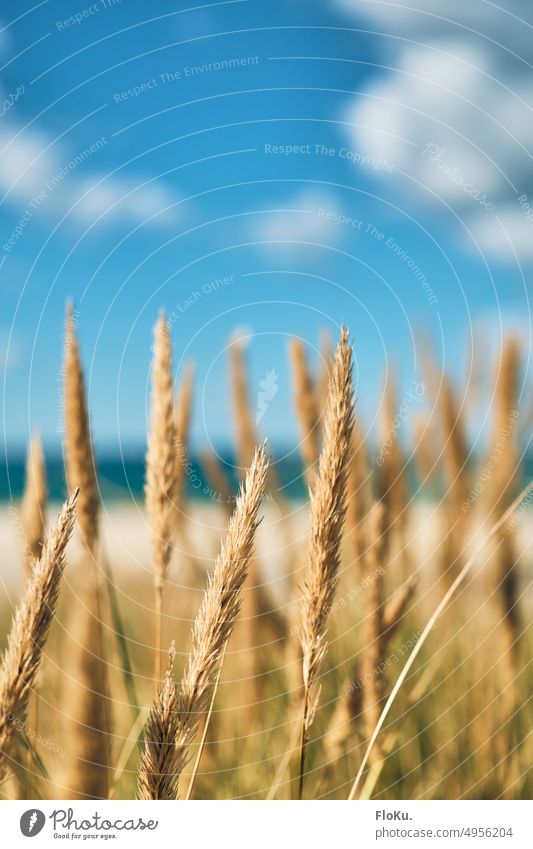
{"x": 122, "y": 198}
{"x": 437, "y": 19}
{"x": 468, "y": 97}
{"x": 302, "y": 218}
{"x": 24, "y": 168}
{"x": 29, "y": 166}
{"x": 504, "y": 234}
{"x": 10, "y": 349}
{"x": 5, "y": 38}
{"x": 29, "y": 159}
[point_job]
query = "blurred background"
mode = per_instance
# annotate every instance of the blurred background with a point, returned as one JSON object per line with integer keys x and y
{"x": 266, "y": 170}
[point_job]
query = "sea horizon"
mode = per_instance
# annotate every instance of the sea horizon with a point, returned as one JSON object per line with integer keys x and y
{"x": 121, "y": 476}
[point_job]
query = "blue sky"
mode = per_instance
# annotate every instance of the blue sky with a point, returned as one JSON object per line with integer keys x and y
{"x": 271, "y": 169}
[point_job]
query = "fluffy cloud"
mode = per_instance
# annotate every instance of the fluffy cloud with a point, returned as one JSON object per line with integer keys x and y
{"x": 309, "y": 217}
{"x": 31, "y": 162}
{"x": 456, "y": 113}
{"x": 32, "y": 168}
{"x": 10, "y": 349}
{"x": 439, "y": 18}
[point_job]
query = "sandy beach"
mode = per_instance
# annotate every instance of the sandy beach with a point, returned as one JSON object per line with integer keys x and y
{"x": 281, "y": 544}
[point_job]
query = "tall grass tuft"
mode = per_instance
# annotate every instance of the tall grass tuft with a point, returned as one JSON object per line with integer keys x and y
{"x": 80, "y": 465}
{"x": 328, "y": 508}
{"x": 245, "y": 431}
{"x": 88, "y": 701}
{"x": 161, "y": 477}
{"x": 393, "y": 489}
{"x": 157, "y": 778}
{"x": 373, "y": 650}
{"x": 306, "y": 404}
{"x": 174, "y": 720}
{"x": 182, "y": 424}
{"x": 503, "y": 444}
{"x": 29, "y": 631}
{"x": 33, "y": 507}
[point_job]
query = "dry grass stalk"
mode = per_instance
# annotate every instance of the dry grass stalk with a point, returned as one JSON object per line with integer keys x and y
{"x": 212, "y": 628}
{"x": 424, "y": 452}
{"x": 306, "y": 404}
{"x": 161, "y": 481}
{"x": 374, "y": 629}
{"x": 393, "y": 486}
{"x": 503, "y": 437}
{"x": 307, "y": 397}
{"x": 88, "y": 704}
{"x": 481, "y": 544}
{"x": 509, "y": 594}
{"x": 359, "y": 493}
{"x": 246, "y": 436}
{"x": 80, "y": 465}
{"x": 455, "y": 449}
{"x": 87, "y": 708}
{"x": 502, "y": 490}
{"x": 475, "y": 369}
{"x": 218, "y": 480}
{"x": 455, "y": 463}
{"x": 33, "y": 519}
{"x": 344, "y": 723}
{"x": 347, "y": 712}
{"x": 328, "y": 509}
{"x": 255, "y": 596}
{"x": 29, "y": 631}
{"x": 220, "y": 607}
{"x": 157, "y": 777}
{"x": 381, "y": 620}
{"x": 343, "y": 726}
{"x": 395, "y": 610}
{"x": 33, "y": 507}
{"x": 182, "y": 422}
{"x": 183, "y": 405}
